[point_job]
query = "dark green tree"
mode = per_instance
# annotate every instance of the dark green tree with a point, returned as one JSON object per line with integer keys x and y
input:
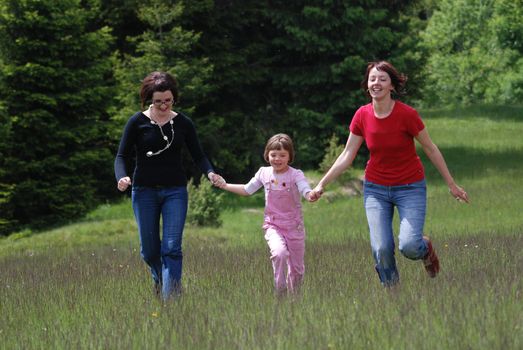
{"x": 56, "y": 85}
{"x": 6, "y": 190}
{"x": 121, "y": 17}
{"x": 320, "y": 57}
{"x": 288, "y": 66}
{"x": 408, "y": 54}
{"x": 236, "y": 38}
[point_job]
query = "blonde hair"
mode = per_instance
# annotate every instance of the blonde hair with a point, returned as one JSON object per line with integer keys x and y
{"x": 279, "y": 142}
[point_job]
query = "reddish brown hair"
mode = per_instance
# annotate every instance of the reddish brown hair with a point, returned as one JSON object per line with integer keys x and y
{"x": 397, "y": 79}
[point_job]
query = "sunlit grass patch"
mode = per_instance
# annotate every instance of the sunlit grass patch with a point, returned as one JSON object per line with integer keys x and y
{"x": 105, "y": 299}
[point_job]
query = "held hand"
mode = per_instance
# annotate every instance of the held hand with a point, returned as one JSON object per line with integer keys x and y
{"x": 217, "y": 180}
{"x": 222, "y": 184}
{"x": 123, "y": 183}
{"x": 315, "y": 194}
{"x": 458, "y": 193}
{"x": 309, "y": 196}
{"x": 213, "y": 177}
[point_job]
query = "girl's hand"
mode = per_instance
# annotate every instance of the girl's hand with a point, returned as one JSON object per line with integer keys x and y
{"x": 123, "y": 183}
{"x": 222, "y": 184}
{"x": 458, "y": 193}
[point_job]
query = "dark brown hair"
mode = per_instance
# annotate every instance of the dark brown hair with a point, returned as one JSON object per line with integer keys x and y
{"x": 397, "y": 79}
{"x": 279, "y": 142}
{"x": 157, "y": 81}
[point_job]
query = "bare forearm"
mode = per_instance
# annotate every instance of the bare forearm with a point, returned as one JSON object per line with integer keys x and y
{"x": 433, "y": 153}
{"x": 437, "y": 159}
{"x": 344, "y": 160}
{"x": 341, "y": 164}
{"x": 236, "y": 188}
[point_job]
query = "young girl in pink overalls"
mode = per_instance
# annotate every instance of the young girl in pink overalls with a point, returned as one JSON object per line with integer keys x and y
{"x": 283, "y": 219}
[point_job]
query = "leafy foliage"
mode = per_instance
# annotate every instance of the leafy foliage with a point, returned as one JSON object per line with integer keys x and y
{"x": 235, "y": 37}
{"x": 332, "y": 151}
{"x": 286, "y": 66}
{"x": 204, "y": 204}
{"x": 57, "y": 151}
{"x": 6, "y": 190}
{"x": 321, "y": 52}
{"x": 475, "y": 52}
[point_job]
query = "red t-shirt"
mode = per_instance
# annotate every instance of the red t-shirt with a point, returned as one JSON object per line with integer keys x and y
{"x": 393, "y": 158}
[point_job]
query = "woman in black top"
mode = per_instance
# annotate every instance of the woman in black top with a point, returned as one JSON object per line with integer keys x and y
{"x": 159, "y": 186}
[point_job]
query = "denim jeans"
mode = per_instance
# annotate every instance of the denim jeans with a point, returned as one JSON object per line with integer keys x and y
{"x": 411, "y": 201}
{"x": 163, "y": 255}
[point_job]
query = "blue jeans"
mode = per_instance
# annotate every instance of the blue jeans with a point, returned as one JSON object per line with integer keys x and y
{"x": 163, "y": 255}
{"x": 411, "y": 201}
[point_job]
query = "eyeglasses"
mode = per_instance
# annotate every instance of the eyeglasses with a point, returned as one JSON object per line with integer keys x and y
{"x": 159, "y": 103}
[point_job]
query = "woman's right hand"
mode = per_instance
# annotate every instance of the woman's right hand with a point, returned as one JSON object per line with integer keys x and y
{"x": 123, "y": 183}
{"x": 458, "y": 193}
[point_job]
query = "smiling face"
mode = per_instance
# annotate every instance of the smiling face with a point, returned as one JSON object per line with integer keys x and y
{"x": 162, "y": 102}
{"x": 279, "y": 160}
{"x": 379, "y": 84}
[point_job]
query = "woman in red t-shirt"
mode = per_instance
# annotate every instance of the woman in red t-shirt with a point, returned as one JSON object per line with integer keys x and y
{"x": 394, "y": 175}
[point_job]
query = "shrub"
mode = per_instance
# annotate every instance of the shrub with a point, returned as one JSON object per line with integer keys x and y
{"x": 332, "y": 152}
{"x": 204, "y": 204}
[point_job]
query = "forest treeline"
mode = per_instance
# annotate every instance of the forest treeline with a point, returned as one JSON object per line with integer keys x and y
{"x": 70, "y": 72}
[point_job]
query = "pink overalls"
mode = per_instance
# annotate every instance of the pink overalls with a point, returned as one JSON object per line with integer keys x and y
{"x": 283, "y": 224}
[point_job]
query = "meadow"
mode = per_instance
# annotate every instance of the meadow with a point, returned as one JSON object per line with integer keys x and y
{"x": 84, "y": 285}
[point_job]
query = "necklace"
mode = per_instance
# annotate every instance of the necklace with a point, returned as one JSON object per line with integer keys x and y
{"x": 169, "y": 143}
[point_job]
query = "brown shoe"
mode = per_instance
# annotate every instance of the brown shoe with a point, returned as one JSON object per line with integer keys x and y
{"x": 431, "y": 261}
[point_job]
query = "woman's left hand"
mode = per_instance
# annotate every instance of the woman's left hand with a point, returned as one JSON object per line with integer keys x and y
{"x": 315, "y": 194}
{"x": 458, "y": 193}
{"x": 216, "y": 179}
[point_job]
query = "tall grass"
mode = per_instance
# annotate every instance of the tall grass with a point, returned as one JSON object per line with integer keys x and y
{"x": 85, "y": 286}
{"x": 103, "y": 299}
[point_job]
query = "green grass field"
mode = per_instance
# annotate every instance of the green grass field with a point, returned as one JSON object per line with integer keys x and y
{"x": 85, "y": 286}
